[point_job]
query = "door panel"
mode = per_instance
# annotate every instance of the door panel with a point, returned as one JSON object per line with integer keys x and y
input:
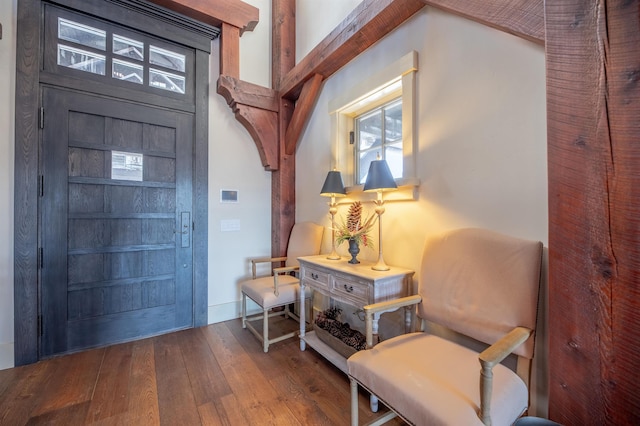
{"x": 116, "y": 254}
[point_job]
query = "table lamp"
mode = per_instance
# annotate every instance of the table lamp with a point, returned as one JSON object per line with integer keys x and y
{"x": 333, "y": 187}
{"x": 379, "y": 179}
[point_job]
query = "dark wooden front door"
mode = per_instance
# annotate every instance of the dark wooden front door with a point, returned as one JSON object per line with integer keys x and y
{"x": 116, "y": 226}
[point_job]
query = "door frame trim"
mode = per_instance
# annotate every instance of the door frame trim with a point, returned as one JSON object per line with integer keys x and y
{"x": 26, "y": 169}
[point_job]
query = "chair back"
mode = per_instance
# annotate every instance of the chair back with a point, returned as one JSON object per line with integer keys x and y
{"x": 481, "y": 284}
{"x": 305, "y": 240}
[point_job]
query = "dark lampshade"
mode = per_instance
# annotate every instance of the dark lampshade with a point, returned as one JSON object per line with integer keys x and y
{"x": 379, "y": 177}
{"x": 333, "y": 186}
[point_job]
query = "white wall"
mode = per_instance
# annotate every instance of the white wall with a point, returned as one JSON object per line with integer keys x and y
{"x": 234, "y": 163}
{"x": 315, "y": 19}
{"x": 255, "y": 48}
{"x": 481, "y": 139}
{"x": 8, "y": 9}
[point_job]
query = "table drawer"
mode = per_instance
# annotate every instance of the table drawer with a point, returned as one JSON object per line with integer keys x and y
{"x": 315, "y": 278}
{"x": 355, "y": 291}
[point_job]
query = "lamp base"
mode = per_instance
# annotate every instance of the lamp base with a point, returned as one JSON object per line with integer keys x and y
{"x": 334, "y": 255}
{"x": 380, "y": 266}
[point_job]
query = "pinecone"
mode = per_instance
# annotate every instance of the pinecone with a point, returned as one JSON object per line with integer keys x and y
{"x": 332, "y": 313}
{"x": 354, "y": 216}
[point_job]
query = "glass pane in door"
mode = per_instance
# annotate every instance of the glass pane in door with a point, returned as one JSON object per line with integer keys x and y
{"x": 82, "y": 34}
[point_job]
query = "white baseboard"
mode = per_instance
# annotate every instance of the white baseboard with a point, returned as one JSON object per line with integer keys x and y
{"x": 7, "y": 359}
{"x": 229, "y": 311}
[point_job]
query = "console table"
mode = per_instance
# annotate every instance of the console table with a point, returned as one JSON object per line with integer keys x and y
{"x": 354, "y": 284}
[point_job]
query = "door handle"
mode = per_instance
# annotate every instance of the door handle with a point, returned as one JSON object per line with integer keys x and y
{"x": 185, "y": 232}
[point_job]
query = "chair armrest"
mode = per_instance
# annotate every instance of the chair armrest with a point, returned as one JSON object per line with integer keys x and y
{"x": 254, "y": 261}
{"x": 495, "y": 353}
{"x": 285, "y": 269}
{"x": 386, "y": 306}
{"x": 489, "y": 358}
{"x": 276, "y": 274}
{"x": 392, "y": 305}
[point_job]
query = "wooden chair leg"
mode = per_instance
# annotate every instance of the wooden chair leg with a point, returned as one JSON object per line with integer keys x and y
{"x": 265, "y": 331}
{"x": 354, "y": 402}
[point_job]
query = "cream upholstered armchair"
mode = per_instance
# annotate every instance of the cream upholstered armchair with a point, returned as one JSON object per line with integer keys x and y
{"x": 475, "y": 282}
{"x": 282, "y": 287}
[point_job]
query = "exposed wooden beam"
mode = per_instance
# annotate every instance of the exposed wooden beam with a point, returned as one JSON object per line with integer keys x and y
{"x": 234, "y": 12}
{"x": 283, "y": 188}
{"x": 367, "y": 23}
{"x": 304, "y": 107}
{"x": 230, "y": 50}
{"x": 283, "y": 50}
{"x": 245, "y": 93}
{"x": 522, "y": 18}
{"x": 256, "y": 108}
{"x": 593, "y": 105}
{"x": 372, "y": 20}
{"x": 283, "y": 180}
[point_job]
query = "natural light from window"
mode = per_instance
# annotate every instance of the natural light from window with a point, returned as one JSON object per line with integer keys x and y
{"x": 379, "y": 133}
{"x": 377, "y": 118}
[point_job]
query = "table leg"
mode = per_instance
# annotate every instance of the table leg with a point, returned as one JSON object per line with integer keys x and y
{"x": 303, "y": 309}
{"x": 407, "y": 319}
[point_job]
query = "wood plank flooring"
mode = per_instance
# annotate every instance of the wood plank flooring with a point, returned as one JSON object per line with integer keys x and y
{"x": 214, "y": 375}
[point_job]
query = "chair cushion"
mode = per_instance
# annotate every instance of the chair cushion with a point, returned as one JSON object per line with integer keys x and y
{"x": 407, "y": 372}
{"x": 260, "y": 291}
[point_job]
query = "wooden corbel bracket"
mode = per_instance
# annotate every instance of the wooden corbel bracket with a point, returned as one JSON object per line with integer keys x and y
{"x": 256, "y": 108}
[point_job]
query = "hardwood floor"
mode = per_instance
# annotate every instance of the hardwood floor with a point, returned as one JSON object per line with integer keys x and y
{"x": 214, "y": 375}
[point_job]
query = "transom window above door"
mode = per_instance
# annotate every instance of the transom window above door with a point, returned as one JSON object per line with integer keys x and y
{"x": 99, "y": 50}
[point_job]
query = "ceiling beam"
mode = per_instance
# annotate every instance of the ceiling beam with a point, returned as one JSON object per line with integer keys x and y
{"x": 366, "y": 24}
{"x": 522, "y": 18}
{"x": 373, "y": 19}
{"x": 233, "y": 12}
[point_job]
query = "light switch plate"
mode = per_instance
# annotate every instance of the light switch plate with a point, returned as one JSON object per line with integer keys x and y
{"x": 229, "y": 225}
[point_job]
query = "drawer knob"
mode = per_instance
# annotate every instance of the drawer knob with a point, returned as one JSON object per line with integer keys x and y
{"x": 349, "y": 289}
{"x": 314, "y": 276}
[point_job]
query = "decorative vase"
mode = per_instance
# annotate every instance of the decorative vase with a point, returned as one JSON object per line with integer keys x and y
{"x": 354, "y": 249}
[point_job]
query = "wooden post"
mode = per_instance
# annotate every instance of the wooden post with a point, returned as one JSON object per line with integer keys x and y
{"x": 593, "y": 107}
{"x": 283, "y": 196}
